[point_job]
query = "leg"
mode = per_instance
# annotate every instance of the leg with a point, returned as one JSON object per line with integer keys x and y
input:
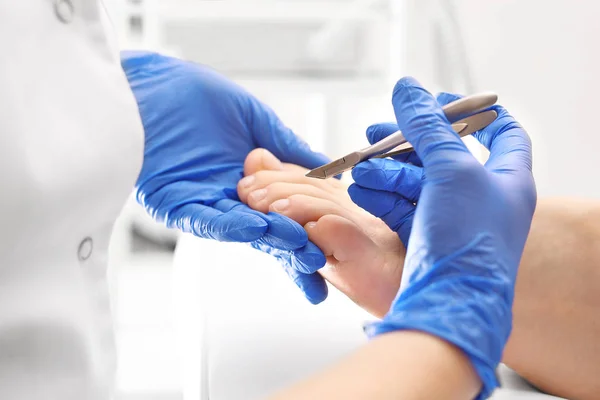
{"x": 555, "y": 342}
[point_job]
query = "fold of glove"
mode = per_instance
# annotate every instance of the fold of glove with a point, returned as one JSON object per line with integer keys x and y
{"x": 468, "y": 231}
{"x": 199, "y": 127}
{"x": 382, "y": 196}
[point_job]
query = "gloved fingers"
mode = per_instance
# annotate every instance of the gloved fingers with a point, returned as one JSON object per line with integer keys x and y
{"x": 311, "y": 284}
{"x": 377, "y": 132}
{"x": 509, "y": 145}
{"x": 307, "y": 259}
{"x": 282, "y": 233}
{"x": 270, "y": 133}
{"x": 208, "y": 222}
{"x": 303, "y": 209}
{"x": 424, "y": 124}
{"x": 396, "y": 211}
{"x": 260, "y": 199}
{"x": 390, "y": 176}
{"x": 444, "y": 98}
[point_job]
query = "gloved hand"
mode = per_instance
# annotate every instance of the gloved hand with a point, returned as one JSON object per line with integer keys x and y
{"x": 468, "y": 231}
{"x": 199, "y": 127}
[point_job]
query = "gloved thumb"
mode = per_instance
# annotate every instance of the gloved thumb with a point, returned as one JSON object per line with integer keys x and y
{"x": 424, "y": 124}
{"x": 377, "y": 132}
{"x": 509, "y": 144}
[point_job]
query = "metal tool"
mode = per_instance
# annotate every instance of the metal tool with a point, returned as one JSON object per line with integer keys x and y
{"x": 466, "y": 115}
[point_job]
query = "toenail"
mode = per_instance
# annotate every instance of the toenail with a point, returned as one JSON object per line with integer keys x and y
{"x": 310, "y": 225}
{"x": 247, "y": 181}
{"x": 280, "y": 205}
{"x": 258, "y": 195}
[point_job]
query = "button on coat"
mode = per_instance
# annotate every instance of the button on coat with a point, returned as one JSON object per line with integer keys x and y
{"x": 71, "y": 144}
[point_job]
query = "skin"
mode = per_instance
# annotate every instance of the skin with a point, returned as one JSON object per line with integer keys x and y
{"x": 555, "y": 342}
{"x": 401, "y": 365}
{"x": 556, "y": 325}
{"x": 350, "y": 238}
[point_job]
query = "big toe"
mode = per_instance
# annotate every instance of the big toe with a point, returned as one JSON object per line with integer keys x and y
{"x": 259, "y": 160}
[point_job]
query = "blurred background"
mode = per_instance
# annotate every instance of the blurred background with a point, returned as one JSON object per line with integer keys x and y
{"x": 327, "y": 67}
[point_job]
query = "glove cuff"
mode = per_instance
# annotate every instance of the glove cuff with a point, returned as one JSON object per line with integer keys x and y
{"x": 454, "y": 301}
{"x": 484, "y": 366}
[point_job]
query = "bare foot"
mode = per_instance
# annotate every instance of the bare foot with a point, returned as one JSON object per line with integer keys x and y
{"x": 364, "y": 256}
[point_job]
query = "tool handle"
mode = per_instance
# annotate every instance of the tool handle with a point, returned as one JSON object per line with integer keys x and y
{"x": 406, "y": 147}
{"x": 454, "y": 111}
{"x": 469, "y": 105}
{"x": 385, "y": 144}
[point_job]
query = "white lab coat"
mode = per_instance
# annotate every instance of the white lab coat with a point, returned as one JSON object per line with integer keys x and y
{"x": 71, "y": 146}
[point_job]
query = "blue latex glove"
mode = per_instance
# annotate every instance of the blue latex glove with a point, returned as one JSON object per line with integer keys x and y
{"x": 199, "y": 128}
{"x": 388, "y": 189}
{"x": 468, "y": 230}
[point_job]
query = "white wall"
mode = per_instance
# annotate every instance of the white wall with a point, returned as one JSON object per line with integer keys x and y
{"x": 543, "y": 58}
